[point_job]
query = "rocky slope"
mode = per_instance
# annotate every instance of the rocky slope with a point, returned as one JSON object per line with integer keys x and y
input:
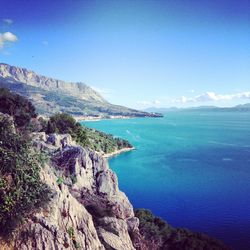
{"x": 87, "y": 211}
{"x": 51, "y": 95}
{"x": 78, "y": 89}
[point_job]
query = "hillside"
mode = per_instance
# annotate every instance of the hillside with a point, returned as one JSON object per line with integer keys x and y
{"x": 51, "y": 95}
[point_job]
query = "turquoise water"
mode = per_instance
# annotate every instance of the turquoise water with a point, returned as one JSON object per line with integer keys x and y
{"x": 192, "y": 169}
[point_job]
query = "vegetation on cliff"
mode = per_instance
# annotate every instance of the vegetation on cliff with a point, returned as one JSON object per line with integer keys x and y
{"x": 96, "y": 140}
{"x": 16, "y": 106}
{"x": 21, "y": 189}
{"x": 22, "y": 111}
{"x": 159, "y": 235}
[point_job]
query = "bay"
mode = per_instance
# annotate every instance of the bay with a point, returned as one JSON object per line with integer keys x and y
{"x": 190, "y": 168}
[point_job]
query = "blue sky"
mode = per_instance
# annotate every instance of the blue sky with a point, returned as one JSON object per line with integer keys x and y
{"x": 136, "y": 53}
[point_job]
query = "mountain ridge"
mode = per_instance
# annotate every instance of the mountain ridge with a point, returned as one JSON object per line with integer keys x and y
{"x": 51, "y": 96}
{"x": 239, "y": 107}
{"x": 77, "y": 89}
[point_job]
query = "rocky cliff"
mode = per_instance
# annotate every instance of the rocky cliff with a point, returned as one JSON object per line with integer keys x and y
{"x": 87, "y": 211}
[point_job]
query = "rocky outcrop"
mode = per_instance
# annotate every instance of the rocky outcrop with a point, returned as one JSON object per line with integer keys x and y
{"x": 87, "y": 211}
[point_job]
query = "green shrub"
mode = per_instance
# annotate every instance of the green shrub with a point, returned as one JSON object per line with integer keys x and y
{"x": 20, "y": 108}
{"x": 159, "y": 235}
{"x": 66, "y": 124}
{"x": 96, "y": 140}
{"x": 21, "y": 190}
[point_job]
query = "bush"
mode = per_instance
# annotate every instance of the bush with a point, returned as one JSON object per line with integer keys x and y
{"x": 21, "y": 109}
{"x": 96, "y": 140}
{"x": 151, "y": 225}
{"x": 66, "y": 124}
{"x": 159, "y": 235}
{"x": 21, "y": 189}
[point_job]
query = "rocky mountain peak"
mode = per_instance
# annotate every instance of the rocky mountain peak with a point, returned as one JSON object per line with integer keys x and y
{"x": 28, "y": 77}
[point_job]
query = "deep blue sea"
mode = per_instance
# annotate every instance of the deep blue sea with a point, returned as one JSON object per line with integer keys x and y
{"x": 190, "y": 168}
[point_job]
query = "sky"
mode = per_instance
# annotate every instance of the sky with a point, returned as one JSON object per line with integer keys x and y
{"x": 135, "y": 53}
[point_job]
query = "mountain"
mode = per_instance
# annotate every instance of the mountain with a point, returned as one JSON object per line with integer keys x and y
{"x": 51, "y": 95}
{"x": 239, "y": 108}
{"x": 78, "y": 90}
{"x": 243, "y": 106}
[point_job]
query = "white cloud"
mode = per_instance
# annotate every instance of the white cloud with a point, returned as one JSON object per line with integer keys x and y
{"x": 205, "y": 97}
{"x": 156, "y": 102}
{"x": 181, "y": 99}
{"x": 7, "y": 37}
{"x": 212, "y": 96}
{"x": 8, "y": 21}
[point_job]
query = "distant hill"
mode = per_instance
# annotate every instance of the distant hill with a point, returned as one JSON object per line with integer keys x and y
{"x": 161, "y": 110}
{"x": 51, "y": 95}
{"x": 239, "y": 108}
{"x": 247, "y": 105}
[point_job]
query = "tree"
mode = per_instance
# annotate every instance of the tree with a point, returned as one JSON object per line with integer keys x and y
{"x": 20, "y": 108}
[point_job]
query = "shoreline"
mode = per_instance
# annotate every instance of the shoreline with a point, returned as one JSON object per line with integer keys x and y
{"x": 117, "y": 152}
{"x": 99, "y": 118}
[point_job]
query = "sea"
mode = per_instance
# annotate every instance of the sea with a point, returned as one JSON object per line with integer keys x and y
{"x": 190, "y": 168}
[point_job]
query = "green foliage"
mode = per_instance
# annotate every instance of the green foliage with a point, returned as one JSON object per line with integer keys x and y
{"x": 151, "y": 225}
{"x": 73, "y": 178}
{"x": 106, "y": 143}
{"x": 59, "y": 181}
{"x": 160, "y": 236}
{"x": 71, "y": 233}
{"x": 20, "y": 108}
{"x": 96, "y": 140}
{"x": 66, "y": 124}
{"x": 21, "y": 190}
{"x": 62, "y": 123}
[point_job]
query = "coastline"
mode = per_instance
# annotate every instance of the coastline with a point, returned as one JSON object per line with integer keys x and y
{"x": 117, "y": 152}
{"x": 81, "y": 118}
{"x": 99, "y": 118}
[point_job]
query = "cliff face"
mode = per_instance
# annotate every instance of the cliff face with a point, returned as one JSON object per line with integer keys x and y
{"x": 78, "y": 89}
{"x": 87, "y": 211}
